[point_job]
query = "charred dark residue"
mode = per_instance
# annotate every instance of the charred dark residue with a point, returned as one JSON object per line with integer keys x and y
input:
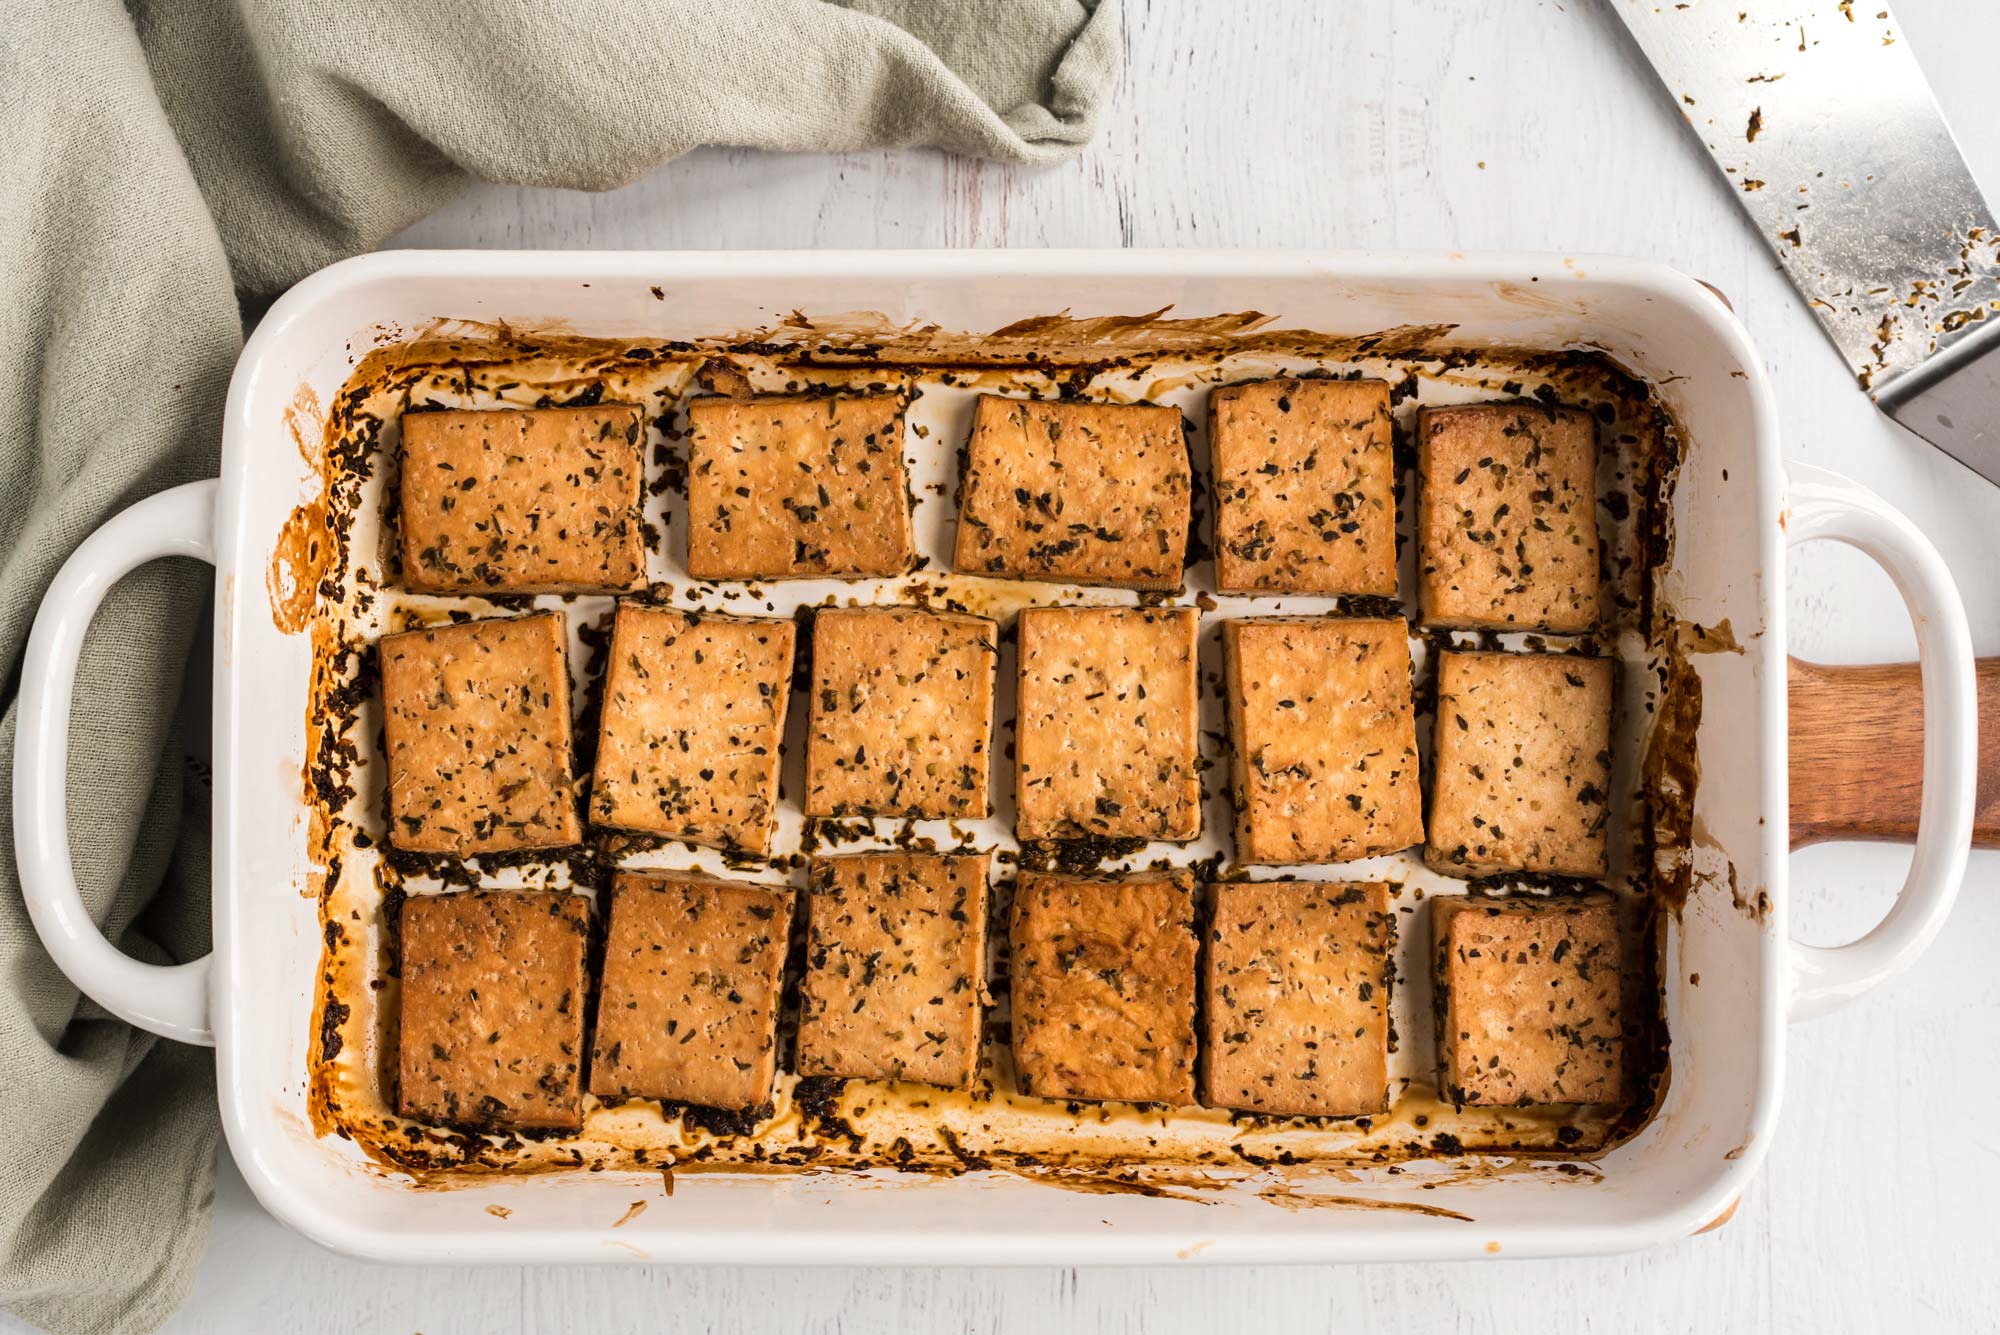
{"x": 333, "y": 1014}
{"x": 1077, "y": 857}
{"x": 1054, "y": 357}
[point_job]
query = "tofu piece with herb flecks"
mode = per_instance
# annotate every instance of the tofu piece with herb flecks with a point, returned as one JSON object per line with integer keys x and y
{"x": 1107, "y": 741}
{"x": 901, "y": 713}
{"x": 1523, "y": 764}
{"x": 895, "y": 967}
{"x": 783, "y": 488}
{"x": 491, "y": 1009}
{"x": 1529, "y": 999}
{"x": 1507, "y": 517}
{"x": 1305, "y": 487}
{"x": 477, "y": 728}
{"x": 1295, "y": 989}
{"x": 541, "y": 500}
{"x": 694, "y": 713}
{"x": 1088, "y": 493}
{"x": 693, "y": 975}
{"x": 1323, "y": 738}
{"x": 1103, "y": 987}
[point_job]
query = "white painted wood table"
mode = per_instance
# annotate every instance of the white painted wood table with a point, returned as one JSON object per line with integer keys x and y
{"x": 1407, "y": 124}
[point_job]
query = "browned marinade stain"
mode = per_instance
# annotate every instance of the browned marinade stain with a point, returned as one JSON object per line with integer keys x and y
{"x": 1286, "y": 1198}
{"x": 298, "y": 563}
{"x": 1672, "y": 766}
{"x": 310, "y": 543}
{"x": 305, "y": 420}
{"x": 339, "y": 559}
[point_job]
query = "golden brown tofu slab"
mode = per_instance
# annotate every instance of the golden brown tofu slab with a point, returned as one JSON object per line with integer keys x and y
{"x": 1523, "y": 764}
{"x": 693, "y": 971}
{"x": 1108, "y": 729}
{"x": 694, "y": 711}
{"x": 902, "y": 713}
{"x": 1507, "y": 517}
{"x": 895, "y": 968}
{"x": 545, "y": 500}
{"x": 1529, "y": 1000}
{"x": 1305, "y": 487}
{"x": 1104, "y": 987}
{"x": 1295, "y": 989}
{"x": 1323, "y": 739}
{"x": 1089, "y": 493}
{"x": 476, "y": 717}
{"x": 788, "y": 487}
{"x": 491, "y": 1033}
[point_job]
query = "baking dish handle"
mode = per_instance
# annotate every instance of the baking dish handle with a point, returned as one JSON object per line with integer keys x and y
{"x": 171, "y": 1000}
{"x": 1820, "y": 505}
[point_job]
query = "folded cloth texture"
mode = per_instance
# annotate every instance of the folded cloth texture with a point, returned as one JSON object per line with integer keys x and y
{"x": 170, "y": 162}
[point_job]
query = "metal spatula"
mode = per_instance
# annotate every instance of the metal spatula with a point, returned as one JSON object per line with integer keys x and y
{"x": 1819, "y": 117}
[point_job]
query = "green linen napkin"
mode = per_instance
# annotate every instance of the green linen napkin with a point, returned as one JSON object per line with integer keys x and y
{"x": 159, "y": 161}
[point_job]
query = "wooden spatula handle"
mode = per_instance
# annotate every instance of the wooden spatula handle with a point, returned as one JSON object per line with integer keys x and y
{"x": 1858, "y": 751}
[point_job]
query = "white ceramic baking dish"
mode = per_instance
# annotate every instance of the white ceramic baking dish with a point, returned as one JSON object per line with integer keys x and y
{"x": 1736, "y": 508}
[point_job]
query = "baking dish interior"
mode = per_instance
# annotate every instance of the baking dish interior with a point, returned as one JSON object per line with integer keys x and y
{"x": 1723, "y": 995}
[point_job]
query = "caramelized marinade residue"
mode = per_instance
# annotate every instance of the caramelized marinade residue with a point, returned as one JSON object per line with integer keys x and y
{"x": 351, "y": 595}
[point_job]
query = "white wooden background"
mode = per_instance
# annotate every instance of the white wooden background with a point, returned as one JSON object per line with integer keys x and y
{"x": 1409, "y": 124}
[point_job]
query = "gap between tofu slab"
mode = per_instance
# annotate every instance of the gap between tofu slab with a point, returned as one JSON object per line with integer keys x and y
{"x": 817, "y": 1124}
